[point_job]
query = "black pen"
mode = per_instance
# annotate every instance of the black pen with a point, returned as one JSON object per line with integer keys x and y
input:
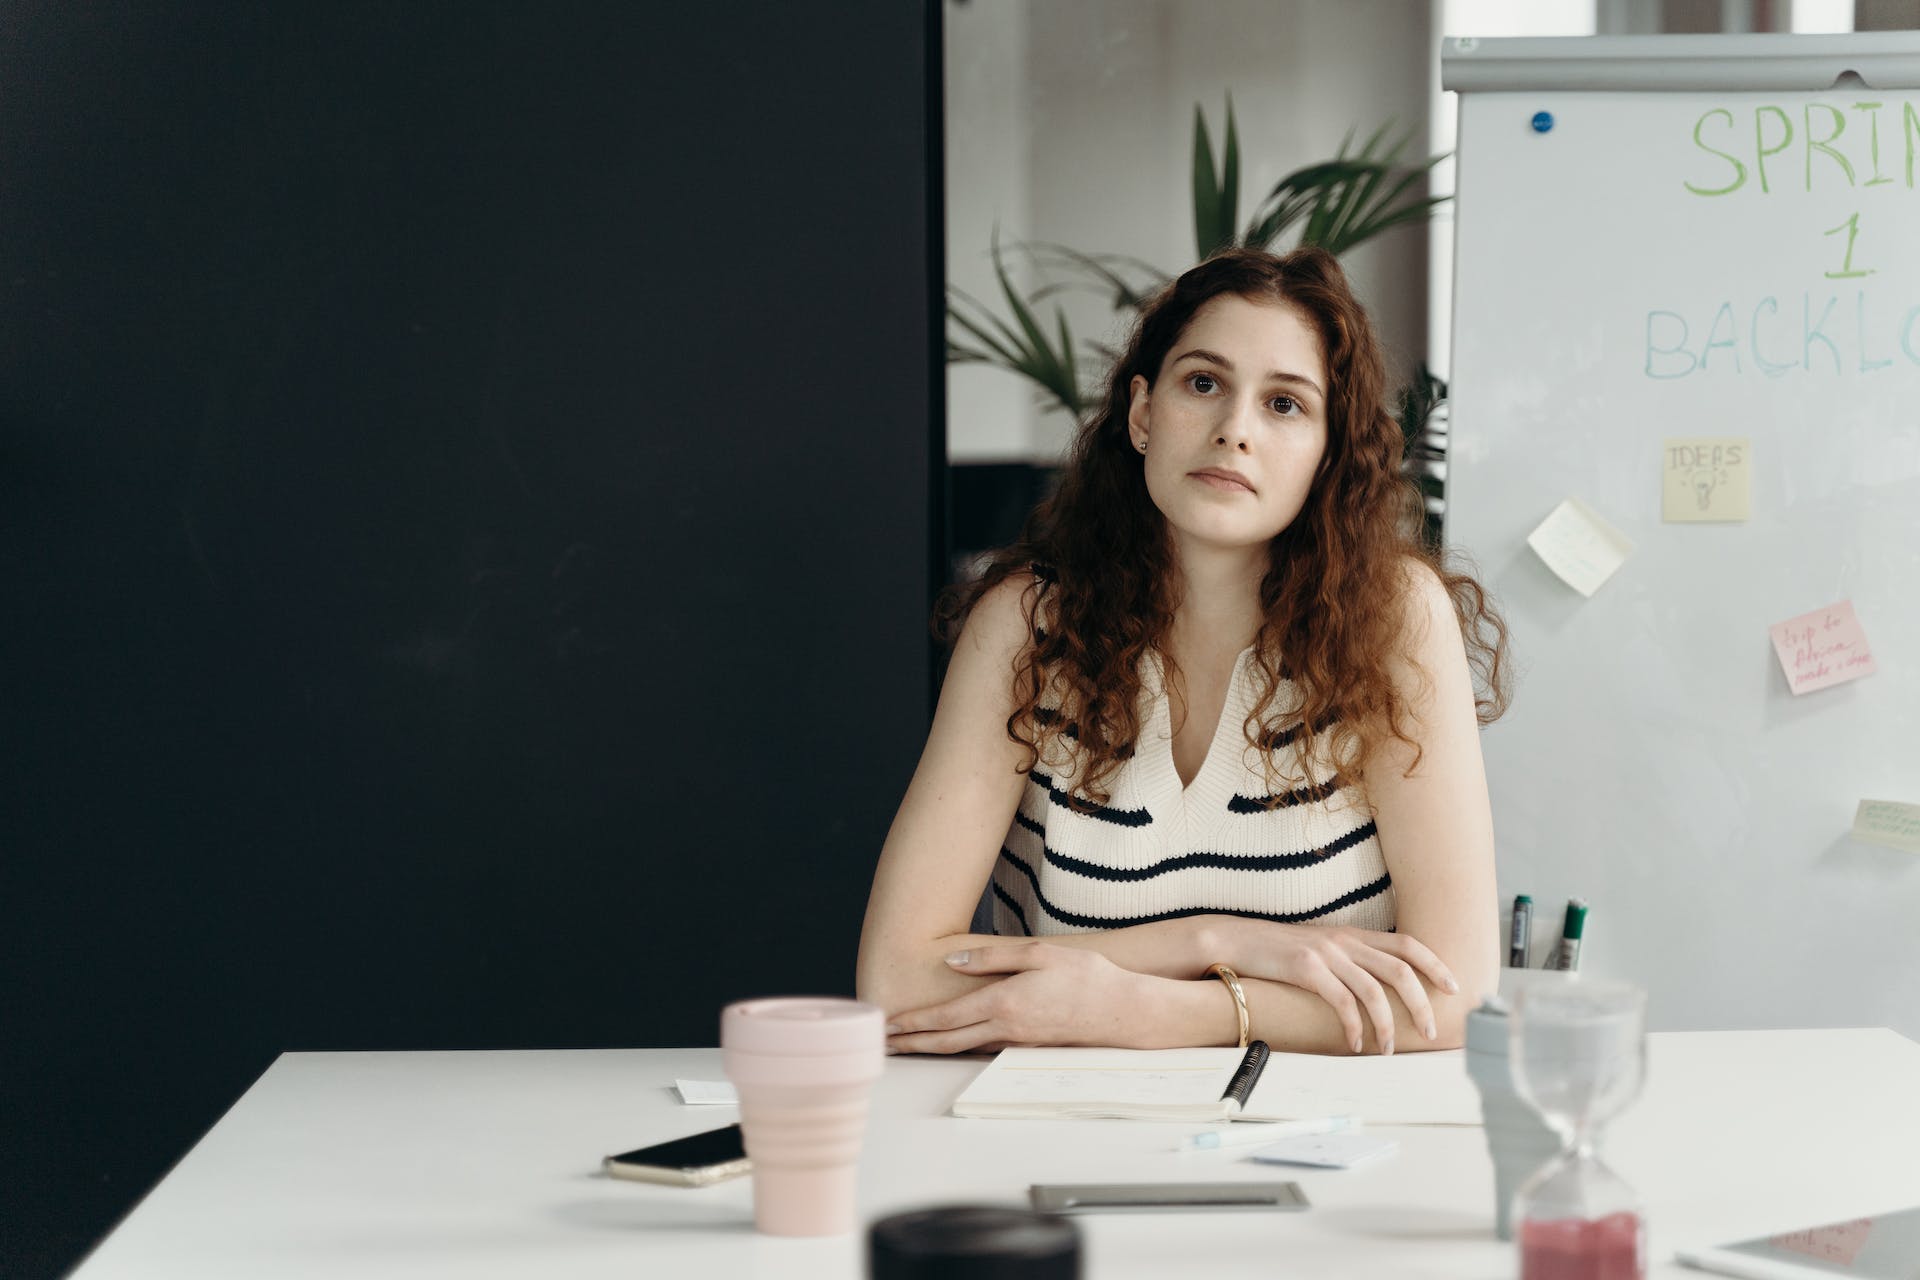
{"x": 1240, "y": 1088}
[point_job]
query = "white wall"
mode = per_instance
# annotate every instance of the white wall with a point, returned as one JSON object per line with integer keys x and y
{"x": 987, "y": 163}
{"x": 1072, "y": 121}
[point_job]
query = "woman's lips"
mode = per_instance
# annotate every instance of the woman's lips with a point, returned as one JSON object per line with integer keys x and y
{"x": 1225, "y": 481}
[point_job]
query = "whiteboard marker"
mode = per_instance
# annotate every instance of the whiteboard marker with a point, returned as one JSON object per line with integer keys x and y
{"x": 1522, "y": 932}
{"x": 1567, "y": 954}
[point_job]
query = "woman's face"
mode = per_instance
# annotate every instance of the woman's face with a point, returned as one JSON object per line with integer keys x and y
{"x": 1236, "y": 423}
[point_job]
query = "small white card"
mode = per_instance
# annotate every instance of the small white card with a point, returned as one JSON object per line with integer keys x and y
{"x": 1327, "y": 1150}
{"x": 1580, "y": 546}
{"x": 706, "y": 1093}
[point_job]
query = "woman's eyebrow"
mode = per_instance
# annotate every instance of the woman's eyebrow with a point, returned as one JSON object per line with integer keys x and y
{"x": 1277, "y": 375}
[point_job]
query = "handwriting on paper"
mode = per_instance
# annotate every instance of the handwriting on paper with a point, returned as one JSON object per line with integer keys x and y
{"x": 1705, "y": 478}
{"x": 1580, "y": 546}
{"x": 1888, "y": 822}
{"x": 1840, "y": 1242}
{"x": 1822, "y": 648}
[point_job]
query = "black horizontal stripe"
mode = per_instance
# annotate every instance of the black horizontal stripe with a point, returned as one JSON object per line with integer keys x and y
{"x": 1284, "y": 799}
{"x": 1278, "y": 738}
{"x": 1038, "y": 828}
{"x": 1229, "y": 861}
{"x": 1281, "y": 737}
{"x": 1360, "y": 894}
{"x": 1047, "y": 717}
{"x": 1026, "y": 930}
{"x": 1088, "y": 809}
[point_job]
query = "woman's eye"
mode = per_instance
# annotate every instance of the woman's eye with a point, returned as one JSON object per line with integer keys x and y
{"x": 1201, "y": 382}
{"x": 1286, "y": 405}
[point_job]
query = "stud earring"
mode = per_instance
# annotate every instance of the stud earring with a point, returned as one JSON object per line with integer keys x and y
{"x": 1143, "y": 446}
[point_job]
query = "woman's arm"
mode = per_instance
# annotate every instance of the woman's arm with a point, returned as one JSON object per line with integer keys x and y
{"x": 946, "y": 835}
{"x": 1435, "y": 821}
{"x": 1436, "y": 835}
{"x": 1049, "y": 994}
{"x": 941, "y": 848}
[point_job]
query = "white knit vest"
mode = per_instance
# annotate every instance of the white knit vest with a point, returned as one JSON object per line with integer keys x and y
{"x": 1156, "y": 851}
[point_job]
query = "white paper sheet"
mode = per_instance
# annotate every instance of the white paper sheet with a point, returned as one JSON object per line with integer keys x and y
{"x": 706, "y": 1093}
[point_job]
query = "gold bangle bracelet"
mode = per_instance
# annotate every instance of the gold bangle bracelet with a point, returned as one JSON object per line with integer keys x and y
{"x": 1232, "y": 980}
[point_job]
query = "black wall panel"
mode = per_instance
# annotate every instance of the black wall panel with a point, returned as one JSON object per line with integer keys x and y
{"x": 466, "y": 533}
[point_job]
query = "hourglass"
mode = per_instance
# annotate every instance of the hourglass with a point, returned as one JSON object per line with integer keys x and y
{"x": 1578, "y": 1053}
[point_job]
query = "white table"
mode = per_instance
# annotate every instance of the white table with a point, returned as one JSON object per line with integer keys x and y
{"x": 473, "y": 1165}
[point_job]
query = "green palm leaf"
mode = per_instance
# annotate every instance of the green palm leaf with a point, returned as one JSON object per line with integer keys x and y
{"x": 1216, "y": 196}
{"x": 1103, "y": 268}
{"x": 1348, "y": 200}
{"x": 1022, "y": 346}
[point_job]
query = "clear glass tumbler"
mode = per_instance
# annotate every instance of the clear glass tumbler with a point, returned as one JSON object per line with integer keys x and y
{"x": 1578, "y": 1052}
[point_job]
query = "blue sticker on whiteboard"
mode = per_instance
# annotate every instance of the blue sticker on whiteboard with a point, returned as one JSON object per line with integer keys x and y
{"x": 1542, "y": 121}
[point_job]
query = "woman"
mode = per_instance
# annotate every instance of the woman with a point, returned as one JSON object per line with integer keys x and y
{"x": 1211, "y": 718}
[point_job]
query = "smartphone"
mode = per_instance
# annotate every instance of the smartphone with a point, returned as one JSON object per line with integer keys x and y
{"x": 695, "y": 1161}
{"x": 1166, "y": 1197}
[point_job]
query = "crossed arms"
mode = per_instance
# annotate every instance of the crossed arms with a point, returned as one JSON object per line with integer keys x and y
{"x": 1309, "y": 988}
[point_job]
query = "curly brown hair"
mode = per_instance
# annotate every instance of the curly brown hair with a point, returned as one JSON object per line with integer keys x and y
{"x": 1334, "y": 594}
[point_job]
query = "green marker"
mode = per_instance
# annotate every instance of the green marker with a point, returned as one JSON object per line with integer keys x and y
{"x": 1567, "y": 954}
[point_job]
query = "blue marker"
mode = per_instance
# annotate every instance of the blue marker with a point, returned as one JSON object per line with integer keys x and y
{"x": 1542, "y": 121}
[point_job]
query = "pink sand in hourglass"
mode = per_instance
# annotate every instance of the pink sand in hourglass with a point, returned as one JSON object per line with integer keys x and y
{"x": 1609, "y": 1248}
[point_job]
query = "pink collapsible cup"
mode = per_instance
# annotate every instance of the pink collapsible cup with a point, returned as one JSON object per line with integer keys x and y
{"x": 804, "y": 1067}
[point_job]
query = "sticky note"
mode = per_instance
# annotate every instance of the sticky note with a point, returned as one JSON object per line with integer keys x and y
{"x": 1704, "y": 478}
{"x": 1840, "y": 1242}
{"x": 1888, "y": 822}
{"x": 1579, "y": 546}
{"x": 1822, "y": 648}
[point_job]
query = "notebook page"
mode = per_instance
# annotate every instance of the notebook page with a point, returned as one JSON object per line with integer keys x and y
{"x": 1125, "y": 1077}
{"x": 1408, "y": 1088}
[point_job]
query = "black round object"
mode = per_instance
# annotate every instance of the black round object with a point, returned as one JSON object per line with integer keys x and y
{"x": 973, "y": 1242}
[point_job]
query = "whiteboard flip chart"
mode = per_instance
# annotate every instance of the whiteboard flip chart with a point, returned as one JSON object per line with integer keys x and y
{"x": 1580, "y": 546}
{"x": 1668, "y": 265}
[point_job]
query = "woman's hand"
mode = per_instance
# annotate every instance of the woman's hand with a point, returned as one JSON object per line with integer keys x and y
{"x": 1351, "y": 969}
{"x": 1052, "y": 995}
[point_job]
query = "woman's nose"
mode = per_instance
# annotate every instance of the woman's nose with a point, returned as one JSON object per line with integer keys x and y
{"x": 1236, "y": 426}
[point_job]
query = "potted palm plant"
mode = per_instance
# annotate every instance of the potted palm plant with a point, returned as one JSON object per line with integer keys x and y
{"x": 1336, "y": 204}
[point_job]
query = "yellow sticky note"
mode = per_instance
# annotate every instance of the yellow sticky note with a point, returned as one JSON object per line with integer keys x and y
{"x": 1705, "y": 478}
{"x": 1888, "y": 822}
{"x": 1580, "y": 546}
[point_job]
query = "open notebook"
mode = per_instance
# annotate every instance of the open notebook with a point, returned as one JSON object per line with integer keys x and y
{"x": 1193, "y": 1085}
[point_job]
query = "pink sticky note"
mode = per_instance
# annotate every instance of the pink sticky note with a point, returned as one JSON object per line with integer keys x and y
{"x": 1821, "y": 648}
{"x": 1840, "y": 1242}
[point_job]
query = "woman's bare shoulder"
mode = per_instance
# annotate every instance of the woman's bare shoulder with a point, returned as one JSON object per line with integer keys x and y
{"x": 1002, "y": 620}
{"x": 1424, "y": 600}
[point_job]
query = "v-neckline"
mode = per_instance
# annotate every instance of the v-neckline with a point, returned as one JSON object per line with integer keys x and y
{"x": 1213, "y": 783}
